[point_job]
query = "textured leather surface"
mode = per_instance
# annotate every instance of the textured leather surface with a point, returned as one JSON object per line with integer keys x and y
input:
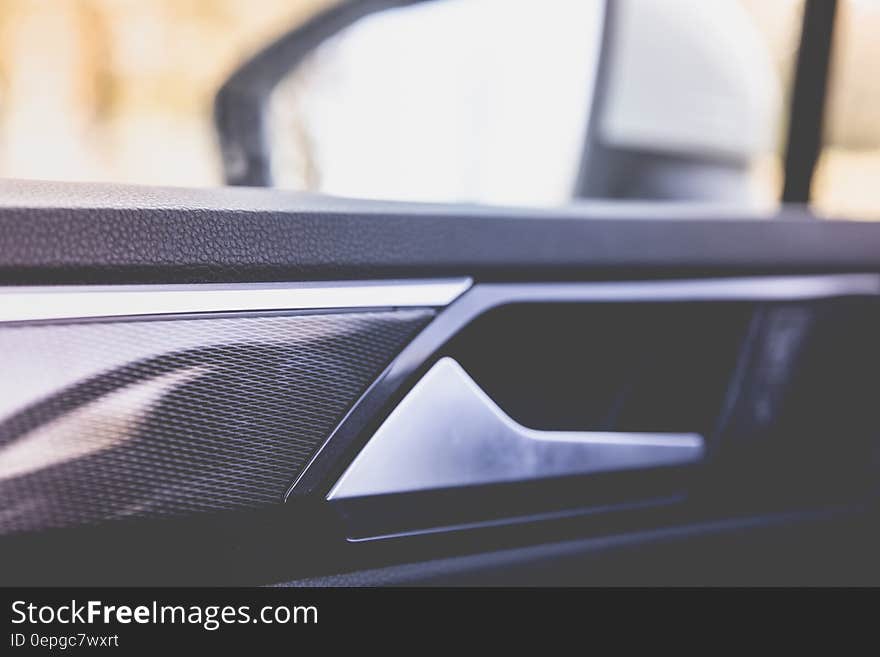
{"x": 137, "y": 419}
{"x": 75, "y": 233}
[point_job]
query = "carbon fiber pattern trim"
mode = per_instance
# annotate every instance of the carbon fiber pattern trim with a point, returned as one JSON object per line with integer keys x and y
{"x": 167, "y": 417}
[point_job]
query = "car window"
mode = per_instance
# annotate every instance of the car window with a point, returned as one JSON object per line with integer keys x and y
{"x": 537, "y": 103}
{"x": 448, "y": 100}
{"x": 488, "y": 120}
{"x": 849, "y": 164}
{"x": 121, "y": 90}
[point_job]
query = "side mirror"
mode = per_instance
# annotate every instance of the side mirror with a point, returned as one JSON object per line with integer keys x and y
{"x": 505, "y": 101}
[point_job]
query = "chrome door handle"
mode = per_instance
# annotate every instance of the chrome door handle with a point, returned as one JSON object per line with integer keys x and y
{"x": 447, "y": 433}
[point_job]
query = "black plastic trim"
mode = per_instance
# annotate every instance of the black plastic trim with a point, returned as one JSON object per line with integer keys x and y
{"x": 329, "y": 461}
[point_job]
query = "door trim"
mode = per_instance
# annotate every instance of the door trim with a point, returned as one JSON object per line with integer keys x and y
{"x": 31, "y": 304}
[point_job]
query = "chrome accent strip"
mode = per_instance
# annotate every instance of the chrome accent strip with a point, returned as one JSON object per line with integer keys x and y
{"x": 448, "y": 433}
{"x": 24, "y": 304}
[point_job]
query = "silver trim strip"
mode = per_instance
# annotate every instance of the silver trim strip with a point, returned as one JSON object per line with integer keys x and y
{"x": 448, "y": 433}
{"x": 23, "y": 304}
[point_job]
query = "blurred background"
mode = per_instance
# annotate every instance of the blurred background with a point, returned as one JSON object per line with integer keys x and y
{"x": 122, "y": 90}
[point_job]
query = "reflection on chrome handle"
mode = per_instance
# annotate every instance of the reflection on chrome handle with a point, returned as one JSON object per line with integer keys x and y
{"x": 448, "y": 433}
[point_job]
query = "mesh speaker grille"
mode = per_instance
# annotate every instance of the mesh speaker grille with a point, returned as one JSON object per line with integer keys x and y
{"x": 150, "y": 418}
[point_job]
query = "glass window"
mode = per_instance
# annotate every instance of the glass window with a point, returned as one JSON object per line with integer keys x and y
{"x": 122, "y": 90}
{"x": 846, "y": 178}
{"x": 535, "y": 102}
{"x": 541, "y": 103}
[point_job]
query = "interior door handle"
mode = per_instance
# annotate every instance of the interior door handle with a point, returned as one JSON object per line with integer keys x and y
{"x": 447, "y": 433}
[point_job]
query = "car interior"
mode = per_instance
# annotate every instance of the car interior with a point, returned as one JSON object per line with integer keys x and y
{"x": 656, "y": 381}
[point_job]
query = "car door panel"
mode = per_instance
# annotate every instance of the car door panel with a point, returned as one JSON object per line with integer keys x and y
{"x": 200, "y": 444}
{"x": 59, "y": 233}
